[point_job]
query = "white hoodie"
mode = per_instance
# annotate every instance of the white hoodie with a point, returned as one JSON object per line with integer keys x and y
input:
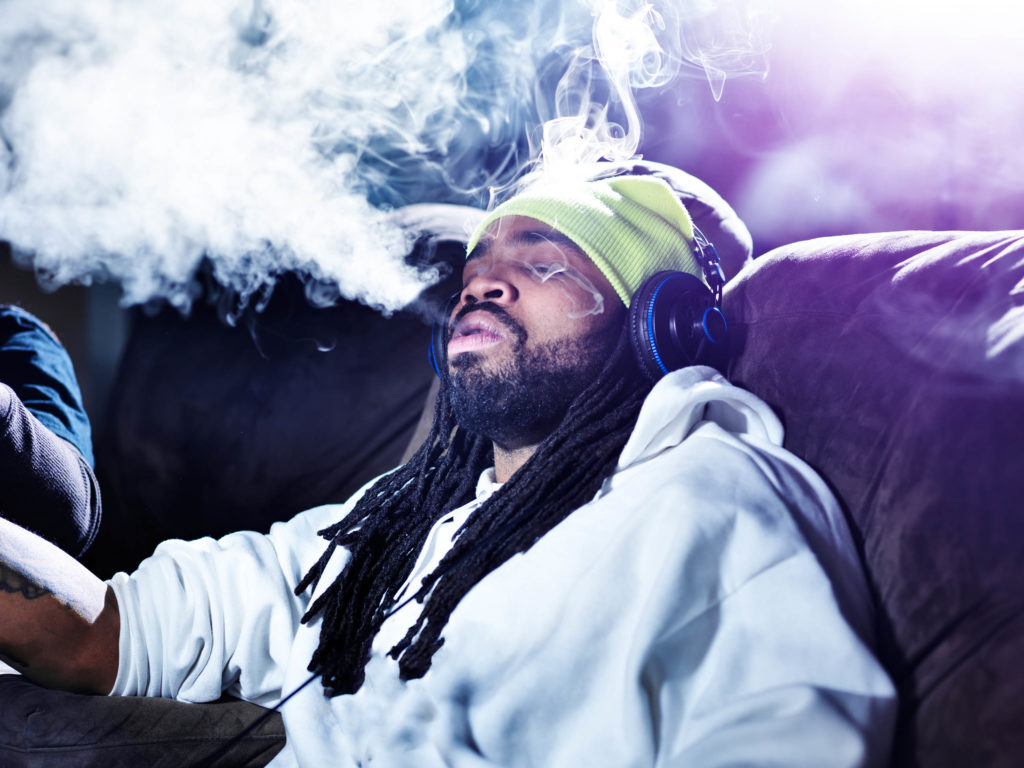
{"x": 706, "y": 609}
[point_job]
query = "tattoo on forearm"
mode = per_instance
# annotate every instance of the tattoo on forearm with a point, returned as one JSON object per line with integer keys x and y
{"x": 14, "y": 583}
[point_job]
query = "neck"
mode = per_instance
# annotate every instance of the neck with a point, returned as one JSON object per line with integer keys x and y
{"x": 508, "y": 460}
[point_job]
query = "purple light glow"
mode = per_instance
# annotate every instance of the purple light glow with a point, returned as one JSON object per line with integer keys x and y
{"x": 873, "y": 117}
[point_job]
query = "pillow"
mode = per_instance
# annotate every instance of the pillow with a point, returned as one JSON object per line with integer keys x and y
{"x": 896, "y": 362}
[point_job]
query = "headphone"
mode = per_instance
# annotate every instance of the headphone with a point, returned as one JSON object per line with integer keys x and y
{"x": 675, "y": 318}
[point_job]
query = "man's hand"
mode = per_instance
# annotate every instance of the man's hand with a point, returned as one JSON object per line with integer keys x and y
{"x": 59, "y": 623}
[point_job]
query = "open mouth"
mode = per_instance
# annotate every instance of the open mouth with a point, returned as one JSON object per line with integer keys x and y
{"x": 473, "y": 332}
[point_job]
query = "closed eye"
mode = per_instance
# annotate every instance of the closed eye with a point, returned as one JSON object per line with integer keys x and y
{"x": 544, "y": 271}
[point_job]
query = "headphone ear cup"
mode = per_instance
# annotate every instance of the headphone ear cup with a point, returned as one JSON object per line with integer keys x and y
{"x": 638, "y": 335}
{"x": 437, "y": 353}
{"x": 672, "y": 319}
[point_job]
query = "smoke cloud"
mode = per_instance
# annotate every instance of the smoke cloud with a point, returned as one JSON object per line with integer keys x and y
{"x": 141, "y": 139}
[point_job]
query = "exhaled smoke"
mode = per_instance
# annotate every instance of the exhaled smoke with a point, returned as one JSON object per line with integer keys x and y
{"x": 142, "y": 138}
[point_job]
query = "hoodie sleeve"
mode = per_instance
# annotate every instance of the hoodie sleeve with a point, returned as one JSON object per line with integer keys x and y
{"x": 48, "y": 486}
{"x": 202, "y": 617}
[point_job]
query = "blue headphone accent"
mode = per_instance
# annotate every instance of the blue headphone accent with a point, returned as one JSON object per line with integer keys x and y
{"x": 718, "y": 316}
{"x": 432, "y": 359}
{"x": 650, "y": 324}
{"x": 675, "y": 318}
{"x": 437, "y": 352}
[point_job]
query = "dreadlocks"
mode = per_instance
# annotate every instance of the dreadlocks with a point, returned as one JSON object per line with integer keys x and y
{"x": 388, "y": 526}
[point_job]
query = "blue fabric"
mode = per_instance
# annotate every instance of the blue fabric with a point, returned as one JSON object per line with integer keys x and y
{"x": 36, "y": 366}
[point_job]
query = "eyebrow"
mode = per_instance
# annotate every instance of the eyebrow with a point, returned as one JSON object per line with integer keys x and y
{"x": 529, "y": 237}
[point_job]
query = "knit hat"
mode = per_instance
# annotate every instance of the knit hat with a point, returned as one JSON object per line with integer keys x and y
{"x": 630, "y": 226}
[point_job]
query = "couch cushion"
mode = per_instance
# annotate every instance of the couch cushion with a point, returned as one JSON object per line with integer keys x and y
{"x": 54, "y": 729}
{"x": 896, "y": 362}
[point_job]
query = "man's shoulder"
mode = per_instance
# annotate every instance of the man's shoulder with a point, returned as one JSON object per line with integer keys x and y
{"x": 686, "y": 399}
{"x": 317, "y": 518}
{"x": 708, "y": 453}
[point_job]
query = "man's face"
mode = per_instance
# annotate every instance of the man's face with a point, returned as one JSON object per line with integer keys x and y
{"x": 534, "y": 325}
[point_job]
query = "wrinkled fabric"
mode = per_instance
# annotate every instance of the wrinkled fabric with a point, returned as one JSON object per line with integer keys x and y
{"x": 47, "y": 483}
{"x": 36, "y": 366}
{"x": 706, "y": 608}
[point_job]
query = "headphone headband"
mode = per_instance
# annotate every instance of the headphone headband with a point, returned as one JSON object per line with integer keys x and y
{"x": 710, "y": 264}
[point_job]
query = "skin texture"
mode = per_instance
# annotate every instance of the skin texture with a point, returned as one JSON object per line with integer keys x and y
{"x": 542, "y": 303}
{"x": 60, "y": 623}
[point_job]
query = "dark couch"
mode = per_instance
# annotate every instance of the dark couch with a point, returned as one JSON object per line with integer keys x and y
{"x": 896, "y": 362}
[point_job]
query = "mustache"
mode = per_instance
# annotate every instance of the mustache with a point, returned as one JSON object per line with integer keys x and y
{"x": 497, "y": 311}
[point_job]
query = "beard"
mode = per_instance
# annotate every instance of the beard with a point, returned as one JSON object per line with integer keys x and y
{"x": 523, "y": 401}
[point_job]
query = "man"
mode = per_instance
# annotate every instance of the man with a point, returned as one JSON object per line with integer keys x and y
{"x": 574, "y": 569}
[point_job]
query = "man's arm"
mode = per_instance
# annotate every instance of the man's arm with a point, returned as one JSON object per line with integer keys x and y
{"x": 59, "y": 623}
{"x": 47, "y": 484}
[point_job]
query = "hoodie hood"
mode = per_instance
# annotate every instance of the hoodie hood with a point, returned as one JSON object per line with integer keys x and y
{"x": 691, "y": 396}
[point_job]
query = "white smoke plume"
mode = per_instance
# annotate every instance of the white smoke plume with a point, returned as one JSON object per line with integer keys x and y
{"x": 644, "y": 45}
{"x": 141, "y": 138}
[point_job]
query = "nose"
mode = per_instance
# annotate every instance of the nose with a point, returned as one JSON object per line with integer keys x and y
{"x": 488, "y": 286}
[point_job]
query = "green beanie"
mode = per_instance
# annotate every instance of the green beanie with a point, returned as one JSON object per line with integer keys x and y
{"x": 629, "y": 226}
